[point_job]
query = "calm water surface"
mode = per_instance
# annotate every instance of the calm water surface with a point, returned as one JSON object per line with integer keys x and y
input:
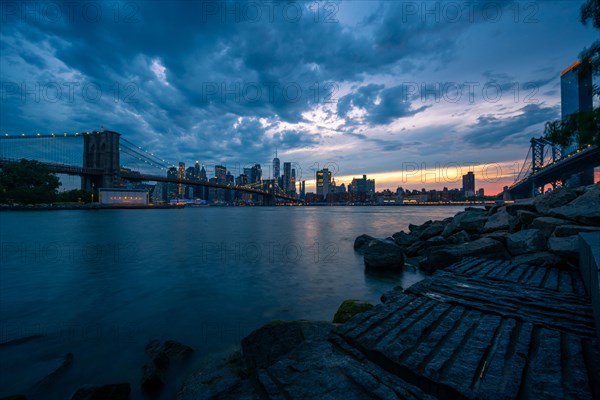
{"x": 101, "y": 284}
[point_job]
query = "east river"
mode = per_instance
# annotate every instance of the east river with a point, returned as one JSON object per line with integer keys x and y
{"x": 102, "y": 284}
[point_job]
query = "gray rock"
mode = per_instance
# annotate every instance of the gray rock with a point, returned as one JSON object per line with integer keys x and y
{"x": 470, "y": 221}
{"x": 570, "y": 230}
{"x": 501, "y": 236}
{"x": 414, "y": 249}
{"x": 565, "y": 246}
{"x": 404, "y": 239}
{"x": 547, "y": 224}
{"x": 218, "y": 380}
{"x": 361, "y": 242}
{"x": 526, "y": 241}
{"x": 350, "y": 308}
{"x": 419, "y": 228}
{"x": 268, "y": 344}
{"x": 383, "y": 255}
{"x": 585, "y": 209}
{"x": 526, "y": 217}
{"x": 540, "y": 259}
{"x": 434, "y": 229}
{"x": 459, "y": 237}
{"x": 119, "y": 391}
{"x": 154, "y": 372}
{"x": 499, "y": 221}
{"x": 513, "y": 208}
{"x": 556, "y": 198}
{"x": 435, "y": 241}
{"x": 440, "y": 257}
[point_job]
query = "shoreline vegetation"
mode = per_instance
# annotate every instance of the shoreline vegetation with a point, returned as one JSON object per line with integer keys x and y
{"x": 503, "y": 300}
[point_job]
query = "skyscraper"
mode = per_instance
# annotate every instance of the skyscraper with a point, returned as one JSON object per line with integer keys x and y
{"x": 181, "y": 175}
{"x": 575, "y": 94}
{"x": 323, "y": 182}
{"x": 276, "y": 166}
{"x": 197, "y": 170}
{"x": 287, "y": 176}
{"x": 220, "y": 173}
{"x": 468, "y": 185}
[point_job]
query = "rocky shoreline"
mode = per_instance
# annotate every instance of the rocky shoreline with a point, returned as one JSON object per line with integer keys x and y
{"x": 532, "y": 252}
{"x": 504, "y": 315}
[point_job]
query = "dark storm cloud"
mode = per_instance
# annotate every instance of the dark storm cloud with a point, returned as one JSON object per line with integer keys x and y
{"x": 382, "y": 105}
{"x": 224, "y": 76}
{"x": 495, "y": 132}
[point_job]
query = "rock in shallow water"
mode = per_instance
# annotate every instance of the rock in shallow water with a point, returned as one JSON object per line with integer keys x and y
{"x": 383, "y": 255}
{"x": 361, "y": 242}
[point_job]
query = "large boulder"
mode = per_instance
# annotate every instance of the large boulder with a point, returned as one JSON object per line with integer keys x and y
{"x": 570, "y": 230}
{"x": 514, "y": 208}
{"x": 500, "y": 221}
{"x": 162, "y": 355}
{"x": 459, "y": 237}
{"x": 526, "y": 217}
{"x": 349, "y": 308}
{"x": 361, "y": 242}
{"x": 419, "y": 228}
{"x": 119, "y": 391}
{"x": 415, "y": 249}
{"x": 547, "y": 225}
{"x": 268, "y": 344}
{"x": 383, "y": 255}
{"x": 435, "y": 241}
{"x": 470, "y": 221}
{"x": 403, "y": 239}
{"x": 585, "y": 209}
{"x": 434, "y": 229}
{"x": 440, "y": 257}
{"x": 501, "y": 236}
{"x": 556, "y": 198}
{"x": 526, "y": 241}
{"x": 565, "y": 246}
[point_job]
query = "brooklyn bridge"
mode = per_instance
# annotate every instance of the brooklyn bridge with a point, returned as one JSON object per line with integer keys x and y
{"x": 111, "y": 161}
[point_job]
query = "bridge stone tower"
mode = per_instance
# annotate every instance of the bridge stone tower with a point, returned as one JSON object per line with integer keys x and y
{"x": 101, "y": 152}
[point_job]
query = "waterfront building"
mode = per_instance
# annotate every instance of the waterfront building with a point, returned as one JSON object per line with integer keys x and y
{"x": 468, "y": 184}
{"x": 323, "y": 178}
{"x": 363, "y": 185}
{"x": 123, "y": 196}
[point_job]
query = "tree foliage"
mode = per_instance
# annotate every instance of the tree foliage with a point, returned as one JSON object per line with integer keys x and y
{"x": 27, "y": 181}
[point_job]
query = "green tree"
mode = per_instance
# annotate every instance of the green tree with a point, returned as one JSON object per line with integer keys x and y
{"x": 582, "y": 127}
{"x": 27, "y": 181}
{"x": 74, "y": 196}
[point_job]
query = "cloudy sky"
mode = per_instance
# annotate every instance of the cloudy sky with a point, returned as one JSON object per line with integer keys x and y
{"x": 414, "y": 94}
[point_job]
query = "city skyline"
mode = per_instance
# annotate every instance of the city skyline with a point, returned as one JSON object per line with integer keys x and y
{"x": 191, "y": 92}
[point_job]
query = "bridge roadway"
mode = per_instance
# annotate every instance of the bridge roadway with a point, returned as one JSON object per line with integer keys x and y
{"x": 560, "y": 170}
{"x": 136, "y": 176}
